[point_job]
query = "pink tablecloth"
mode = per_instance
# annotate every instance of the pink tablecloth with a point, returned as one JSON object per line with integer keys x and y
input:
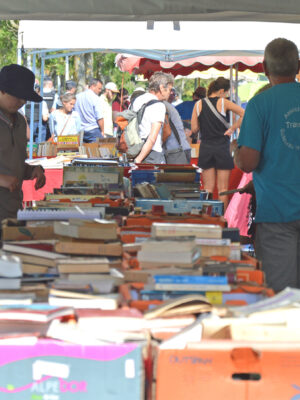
{"x": 54, "y": 179}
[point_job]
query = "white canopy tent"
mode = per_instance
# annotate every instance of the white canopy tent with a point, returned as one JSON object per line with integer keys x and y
{"x": 158, "y": 10}
{"x": 161, "y": 43}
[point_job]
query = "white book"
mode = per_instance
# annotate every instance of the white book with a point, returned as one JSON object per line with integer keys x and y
{"x": 176, "y": 257}
{"x": 160, "y": 229}
{"x": 14, "y": 248}
{"x": 110, "y": 302}
{"x": 10, "y": 266}
{"x": 188, "y": 287}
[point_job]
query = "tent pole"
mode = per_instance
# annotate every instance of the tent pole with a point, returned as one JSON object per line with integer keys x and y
{"x": 67, "y": 70}
{"x": 32, "y": 113}
{"x": 42, "y": 94}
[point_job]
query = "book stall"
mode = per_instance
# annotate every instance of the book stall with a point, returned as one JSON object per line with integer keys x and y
{"x": 130, "y": 273}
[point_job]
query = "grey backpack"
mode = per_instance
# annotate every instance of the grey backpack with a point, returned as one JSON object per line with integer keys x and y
{"x": 128, "y": 121}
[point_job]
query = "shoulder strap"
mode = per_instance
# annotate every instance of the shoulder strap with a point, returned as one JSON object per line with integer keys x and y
{"x": 68, "y": 119}
{"x": 197, "y": 109}
{"x": 141, "y": 111}
{"x": 175, "y": 131}
{"x": 216, "y": 113}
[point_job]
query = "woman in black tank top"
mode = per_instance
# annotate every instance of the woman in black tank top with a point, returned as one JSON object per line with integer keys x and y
{"x": 211, "y": 117}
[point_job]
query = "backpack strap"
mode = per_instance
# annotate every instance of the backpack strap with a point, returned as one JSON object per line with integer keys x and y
{"x": 141, "y": 111}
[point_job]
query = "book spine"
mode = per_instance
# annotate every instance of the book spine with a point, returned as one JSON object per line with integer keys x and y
{"x": 190, "y": 287}
{"x": 191, "y": 279}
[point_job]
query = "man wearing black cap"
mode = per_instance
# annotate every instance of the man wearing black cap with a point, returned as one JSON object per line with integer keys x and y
{"x": 16, "y": 87}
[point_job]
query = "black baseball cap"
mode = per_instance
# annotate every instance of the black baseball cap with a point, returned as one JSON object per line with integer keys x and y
{"x": 18, "y": 81}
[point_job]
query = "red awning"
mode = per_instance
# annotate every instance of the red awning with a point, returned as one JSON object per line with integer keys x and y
{"x": 146, "y": 66}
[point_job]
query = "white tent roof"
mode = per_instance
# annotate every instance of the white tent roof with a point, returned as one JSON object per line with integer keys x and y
{"x": 159, "y": 10}
{"x": 222, "y": 38}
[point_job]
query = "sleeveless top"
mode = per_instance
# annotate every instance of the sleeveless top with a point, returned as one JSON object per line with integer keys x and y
{"x": 211, "y": 128}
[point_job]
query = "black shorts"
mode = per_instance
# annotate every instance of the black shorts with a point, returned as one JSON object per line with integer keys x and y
{"x": 216, "y": 156}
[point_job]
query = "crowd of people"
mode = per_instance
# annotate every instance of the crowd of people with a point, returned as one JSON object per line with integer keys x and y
{"x": 268, "y": 144}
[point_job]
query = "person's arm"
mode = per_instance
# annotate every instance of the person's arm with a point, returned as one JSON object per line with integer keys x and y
{"x": 77, "y": 122}
{"x": 195, "y": 127}
{"x": 9, "y": 182}
{"x": 245, "y": 158}
{"x": 45, "y": 112}
{"x": 52, "y": 124}
{"x": 35, "y": 172}
{"x": 155, "y": 128}
{"x": 229, "y": 105}
{"x": 100, "y": 123}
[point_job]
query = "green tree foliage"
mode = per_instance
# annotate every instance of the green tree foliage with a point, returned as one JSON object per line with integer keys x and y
{"x": 8, "y": 42}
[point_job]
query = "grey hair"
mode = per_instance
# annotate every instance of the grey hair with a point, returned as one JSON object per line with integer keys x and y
{"x": 66, "y": 97}
{"x": 94, "y": 81}
{"x": 282, "y": 58}
{"x": 160, "y": 78}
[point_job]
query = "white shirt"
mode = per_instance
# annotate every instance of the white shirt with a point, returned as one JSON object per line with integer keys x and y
{"x": 107, "y": 115}
{"x": 154, "y": 113}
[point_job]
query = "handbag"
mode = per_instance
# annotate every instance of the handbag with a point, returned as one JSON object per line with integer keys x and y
{"x": 175, "y": 156}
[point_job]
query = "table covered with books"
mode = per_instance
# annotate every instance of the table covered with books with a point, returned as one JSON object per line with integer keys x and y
{"x": 111, "y": 275}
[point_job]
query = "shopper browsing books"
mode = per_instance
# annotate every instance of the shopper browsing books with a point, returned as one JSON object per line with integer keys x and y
{"x": 211, "y": 116}
{"x": 65, "y": 121}
{"x": 269, "y": 145}
{"x": 150, "y": 128}
{"x": 16, "y": 87}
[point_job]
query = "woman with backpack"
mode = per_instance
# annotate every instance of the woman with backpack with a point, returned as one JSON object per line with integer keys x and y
{"x": 211, "y": 116}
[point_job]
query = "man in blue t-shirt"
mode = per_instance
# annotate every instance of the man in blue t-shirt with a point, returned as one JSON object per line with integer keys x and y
{"x": 269, "y": 145}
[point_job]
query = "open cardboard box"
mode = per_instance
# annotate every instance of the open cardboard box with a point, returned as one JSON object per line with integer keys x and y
{"x": 226, "y": 369}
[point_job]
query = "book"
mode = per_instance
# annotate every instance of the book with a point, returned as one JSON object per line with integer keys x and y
{"x": 10, "y": 266}
{"x": 93, "y": 230}
{"x": 159, "y": 230}
{"x": 83, "y": 265}
{"x": 47, "y": 214}
{"x": 12, "y": 229}
{"x": 29, "y": 268}
{"x": 81, "y": 300}
{"x": 189, "y": 279}
{"x": 195, "y": 287}
{"x": 169, "y": 258}
{"x": 10, "y": 283}
{"x": 189, "y": 304}
{"x": 88, "y": 248}
{"x": 176, "y": 177}
{"x": 31, "y": 251}
{"x": 38, "y": 312}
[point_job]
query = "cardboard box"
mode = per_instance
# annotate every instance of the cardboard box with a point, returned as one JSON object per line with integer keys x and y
{"x": 226, "y": 369}
{"x": 39, "y": 232}
{"x": 61, "y": 371}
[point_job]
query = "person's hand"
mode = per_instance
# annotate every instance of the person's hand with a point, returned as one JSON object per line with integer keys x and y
{"x": 137, "y": 160}
{"x": 233, "y": 145}
{"x": 249, "y": 188}
{"x": 38, "y": 174}
{"x": 9, "y": 182}
{"x": 229, "y": 132}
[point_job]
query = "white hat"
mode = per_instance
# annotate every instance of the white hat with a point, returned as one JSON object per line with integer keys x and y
{"x": 112, "y": 86}
{"x": 139, "y": 89}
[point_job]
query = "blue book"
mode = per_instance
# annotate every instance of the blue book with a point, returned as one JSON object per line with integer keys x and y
{"x": 191, "y": 279}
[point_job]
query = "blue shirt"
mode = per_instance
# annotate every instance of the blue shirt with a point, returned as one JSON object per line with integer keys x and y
{"x": 271, "y": 125}
{"x": 64, "y": 124}
{"x": 185, "y": 109}
{"x": 89, "y": 108}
